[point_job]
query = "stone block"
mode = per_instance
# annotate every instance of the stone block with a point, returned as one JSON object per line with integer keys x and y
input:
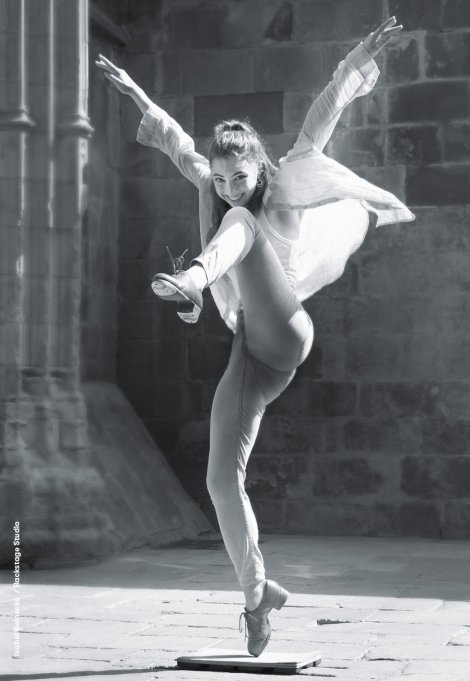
{"x": 148, "y": 198}
{"x": 214, "y": 325}
{"x": 318, "y": 21}
{"x": 351, "y": 477}
{"x": 134, "y": 281}
{"x": 155, "y": 73}
{"x": 398, "y": 276}
{"x": 445, "y": 436}
{"x": 331, "y": 519}
{"x": 270, "y": 514}
{"x": 73, "y": 434}
{"x": 139, "y": 160}
{"x": 384, "y": 316}
{"x": 414, "y": 145}
{"x": 168, "y": 400}
{"x": 145, "y": 30}
{"x": 358, "y": 147}
{"x": 404, "y": 398}
{"x": 402, "y": 60}
{"x": 234, "y": 25}
{"x": 418, "y": 15}
{"x": 431, "y": 101}
{"x": 138, "y": 319}
{"x": 281, "y": 26}
{"x": 452, "y": 398}
{"x": 195, "y": 25}
{"x": 146, "y": 238}
{"x": 373, "y": 356}
{"x": 216, "y": 72}
{"x": 397, "y": 436}
{"x": 456, "y": 14}
{"x": 407, "y": 519}
{"x": 392, "y": 178}
{"x": 264, "y": 111}
{"x": 423, "y": 477}
{"x": 288, "y": 68}
{"x": 208, "y": 358}
{"x": 436, "y": 228}
{"x": 169, "y": 360}
{"x": 457, "y": 142}
{"x": 447, "y": 54}
{"x": 282, "y": 435}
{"x": 287, "y": 477}
{"x": 195, "y": 402}
{"x": 181, "y": 109}
{"x": 311, "y": 398}
{"x": 193, "y": 439}
{"x": 325, "y": 361}
{"x": 438, "y": 185}
{"x": 332, "y": 399}
{"x": 456, "y": 520}
{"x": 295, "y": 108}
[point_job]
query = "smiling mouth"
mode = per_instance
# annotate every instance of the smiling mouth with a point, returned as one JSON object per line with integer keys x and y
{"x": 229, "y": 198}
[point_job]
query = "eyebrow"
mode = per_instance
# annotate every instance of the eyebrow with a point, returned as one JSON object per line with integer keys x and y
{"x": 237, "y": 172}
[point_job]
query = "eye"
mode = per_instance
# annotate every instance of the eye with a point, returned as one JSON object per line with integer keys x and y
{"x": 240, "y": 178}
{"x": 219, "y": 180}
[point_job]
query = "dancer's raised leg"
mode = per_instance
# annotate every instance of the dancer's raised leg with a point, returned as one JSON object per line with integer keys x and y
{"x": 278, "y": 330}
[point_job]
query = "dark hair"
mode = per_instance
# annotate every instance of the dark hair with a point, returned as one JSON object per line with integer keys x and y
{"x": 239, "y": 138}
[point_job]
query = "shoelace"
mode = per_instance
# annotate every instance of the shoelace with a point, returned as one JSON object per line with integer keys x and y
{"x": 246, "y": 615}
{"x": 240, "y": 629}
{"x": 178, "y": 262}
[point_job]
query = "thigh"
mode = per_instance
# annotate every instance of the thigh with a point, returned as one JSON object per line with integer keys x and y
{"x": 277, "y": 326}
{"x": 244, "y": 391}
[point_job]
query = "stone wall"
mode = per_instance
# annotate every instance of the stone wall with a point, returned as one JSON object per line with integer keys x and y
{"x": 78, "y": 471}
{"x": 373, "y": 435}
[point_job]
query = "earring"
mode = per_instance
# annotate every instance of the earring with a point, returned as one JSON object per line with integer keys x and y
{"x": 259, "y": 183}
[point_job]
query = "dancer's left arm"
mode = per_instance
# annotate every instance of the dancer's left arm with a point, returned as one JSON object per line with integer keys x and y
{"x": 355, "y": 76}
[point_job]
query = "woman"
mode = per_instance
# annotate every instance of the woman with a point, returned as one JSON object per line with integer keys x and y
{"x": 271, "y": 238}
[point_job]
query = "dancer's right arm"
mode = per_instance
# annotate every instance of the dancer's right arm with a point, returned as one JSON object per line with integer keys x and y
{"x": 158, "y": 128}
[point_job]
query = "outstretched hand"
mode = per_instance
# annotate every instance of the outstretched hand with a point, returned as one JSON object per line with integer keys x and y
{"x": 377, "y": 40}
{"x": 122, "y": 81}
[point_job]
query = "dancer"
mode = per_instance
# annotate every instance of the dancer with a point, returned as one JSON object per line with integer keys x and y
{"x": 271, "y": 237}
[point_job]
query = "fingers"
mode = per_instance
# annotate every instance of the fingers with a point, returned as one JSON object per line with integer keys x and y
{"x": 391, "y": 21}
{"x": 105, "y": 64}
{"x": 387, "y": 28}
{"x": 393, "y": 31}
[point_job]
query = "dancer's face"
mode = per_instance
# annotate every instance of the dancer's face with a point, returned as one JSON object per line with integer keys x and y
{"x": 234, "y": 179}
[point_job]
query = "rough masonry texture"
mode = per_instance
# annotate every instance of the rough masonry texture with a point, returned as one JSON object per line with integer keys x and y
{"x": 373, "y": 435}
{"x": 78, "y": 471}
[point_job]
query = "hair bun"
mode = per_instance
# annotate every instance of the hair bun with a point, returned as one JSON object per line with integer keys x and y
{"x": 235, "y": 127}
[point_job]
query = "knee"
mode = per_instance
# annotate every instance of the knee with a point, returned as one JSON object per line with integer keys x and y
{"x": 243, "y": 215}
{"x": 223, "y": 485}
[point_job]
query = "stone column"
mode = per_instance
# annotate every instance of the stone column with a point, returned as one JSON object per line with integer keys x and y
{"x": 47, "y": 481}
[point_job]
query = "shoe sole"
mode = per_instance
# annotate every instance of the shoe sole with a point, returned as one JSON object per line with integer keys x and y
{"x": 187, "y": 310}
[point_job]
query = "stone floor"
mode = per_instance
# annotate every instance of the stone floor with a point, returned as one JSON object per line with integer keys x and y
{"x": 375, "y": 609}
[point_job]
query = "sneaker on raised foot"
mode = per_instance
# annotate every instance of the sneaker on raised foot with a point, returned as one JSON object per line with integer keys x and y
{"x": 181, "y": 289}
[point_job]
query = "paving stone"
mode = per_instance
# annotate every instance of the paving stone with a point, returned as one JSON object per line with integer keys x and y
{"x": 138, "y": 632}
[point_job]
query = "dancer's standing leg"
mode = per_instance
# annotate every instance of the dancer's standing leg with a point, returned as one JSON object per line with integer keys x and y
{"x": 273, "y": 337}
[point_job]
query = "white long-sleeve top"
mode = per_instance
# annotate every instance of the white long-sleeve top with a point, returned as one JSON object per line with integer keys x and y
{"x": 327, "y": 193}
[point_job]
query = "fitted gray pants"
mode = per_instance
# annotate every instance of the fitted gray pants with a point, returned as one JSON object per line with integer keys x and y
{"x": 273, "y": 337}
